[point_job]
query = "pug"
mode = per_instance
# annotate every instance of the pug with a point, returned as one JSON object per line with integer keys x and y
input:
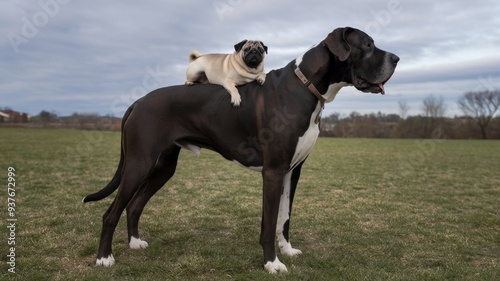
{"x": 245, "y": 65}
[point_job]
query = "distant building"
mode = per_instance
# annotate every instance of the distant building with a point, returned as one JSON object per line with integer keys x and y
{"x": 4, "y": 117}
{"x": 12, "y": 116}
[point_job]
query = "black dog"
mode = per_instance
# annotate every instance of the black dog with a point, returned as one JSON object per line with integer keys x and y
{"x": 273, "y": 132}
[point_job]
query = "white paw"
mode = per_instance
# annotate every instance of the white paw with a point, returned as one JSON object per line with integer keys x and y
{"x": 235, "y": 99}
{"x": 109, "y": 261}
{"x": 275, "y": 266}
{"x": 189, "y": 83}
{"x": 287, "y": 250}
{"x": 261, "y": 79}
{"x": 137, "y": 243}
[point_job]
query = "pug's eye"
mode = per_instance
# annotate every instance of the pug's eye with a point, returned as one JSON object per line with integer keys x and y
{"x": 246, "y": 49}
{"x": 261, "y": 50}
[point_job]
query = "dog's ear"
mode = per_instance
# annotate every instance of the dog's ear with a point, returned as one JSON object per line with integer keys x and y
{"x": 337, "y": 43}
{"x": 238, "y": 46}
{"x": 263, "y": 46}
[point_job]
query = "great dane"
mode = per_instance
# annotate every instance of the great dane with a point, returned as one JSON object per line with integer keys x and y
{"x": 273, "y": 132}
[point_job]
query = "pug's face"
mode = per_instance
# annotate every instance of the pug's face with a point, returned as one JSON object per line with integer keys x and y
{"x": 251, "y": 52}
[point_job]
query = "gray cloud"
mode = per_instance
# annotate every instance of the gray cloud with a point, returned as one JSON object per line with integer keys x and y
{"x": 95, "y": 56}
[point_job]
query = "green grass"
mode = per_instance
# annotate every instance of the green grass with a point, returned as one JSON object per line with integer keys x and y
{"x": 365, "y": 209}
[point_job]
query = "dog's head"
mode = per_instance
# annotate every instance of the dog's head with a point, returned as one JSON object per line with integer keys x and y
{"x": 369, "y": 67}
{"x": 251, "y": 52}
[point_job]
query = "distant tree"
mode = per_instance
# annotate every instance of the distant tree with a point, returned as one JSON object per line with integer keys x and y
{"x": 46, "y": 117}
{"x": 332, "y": 118}
{"x": 481, "y": 106}
{"x": 434, "y": 110}
{"x": 392, "y": 118}
{"x": 403, "y": 109}
{"x": 433, "y": 107}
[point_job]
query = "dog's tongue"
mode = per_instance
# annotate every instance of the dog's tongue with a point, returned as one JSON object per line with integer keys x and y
{"x": 381, "y": 86}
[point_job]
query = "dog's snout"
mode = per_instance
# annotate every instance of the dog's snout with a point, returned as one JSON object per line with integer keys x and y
{"x": 394, "y": 59}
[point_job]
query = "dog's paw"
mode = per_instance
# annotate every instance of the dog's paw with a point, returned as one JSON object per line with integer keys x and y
{"x": 137, "y": 243}
{"x": 261, "y": 79}
{"x": 275, "y": 266}
{"x": 287, "y": 250}
{"x": 189, "y": 83}
{"x": 108, "y": 261}
{"x": 236, "y": 100}
{"x": 291, "y": 252}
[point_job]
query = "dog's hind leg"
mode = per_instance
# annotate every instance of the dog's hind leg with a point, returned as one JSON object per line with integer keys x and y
{"x": 133, "y": 176}
{"x": 163, "y": 171}
{"x": 195, "y": 74}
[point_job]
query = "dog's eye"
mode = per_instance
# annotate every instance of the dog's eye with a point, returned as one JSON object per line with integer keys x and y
{"x": 368, "y": 45}
{"x": 261, "y": 50}
{"x": 247, "y": 49}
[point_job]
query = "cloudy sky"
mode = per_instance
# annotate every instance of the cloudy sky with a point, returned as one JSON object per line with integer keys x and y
{"x": 92, "y": 56}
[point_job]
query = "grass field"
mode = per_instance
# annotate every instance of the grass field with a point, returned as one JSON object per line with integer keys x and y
{"x": 365, "y": 209}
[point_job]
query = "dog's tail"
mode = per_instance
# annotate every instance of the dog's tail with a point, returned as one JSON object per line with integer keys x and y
{"x": 194, "y": 55}
{"x": 115, "y": 182}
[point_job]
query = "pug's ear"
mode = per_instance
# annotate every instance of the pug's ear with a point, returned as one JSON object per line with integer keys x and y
{"x": 337, "y": 43}
{"x": 263, "y": 46}
{"x": 238, "y": 46}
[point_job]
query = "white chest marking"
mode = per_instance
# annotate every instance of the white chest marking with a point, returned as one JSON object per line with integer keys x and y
{"x": 306, "y": 142}
{"x": 333, "y": 90}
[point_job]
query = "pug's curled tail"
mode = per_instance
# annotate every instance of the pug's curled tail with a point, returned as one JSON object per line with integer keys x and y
{"x": 194, "y": 55}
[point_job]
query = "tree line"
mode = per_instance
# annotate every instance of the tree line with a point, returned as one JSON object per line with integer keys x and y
{"x": 479, "y": 120}
{"x": 79, "y": 121}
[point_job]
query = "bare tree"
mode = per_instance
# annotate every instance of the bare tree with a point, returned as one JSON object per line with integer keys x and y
{"x": 481, "y": 106}
{"x": 433, "y": 107}
{"x": 403, "y": 109}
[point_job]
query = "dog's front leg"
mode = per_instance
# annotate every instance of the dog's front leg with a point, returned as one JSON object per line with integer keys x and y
{"x": 230, "y": 86}
{"x": 283, "y": 226}
{"x": 273, "y": 183}
{"x": 261, "y": 79}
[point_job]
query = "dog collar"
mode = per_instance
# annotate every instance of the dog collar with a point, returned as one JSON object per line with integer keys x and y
{"x": 313, "y": 90}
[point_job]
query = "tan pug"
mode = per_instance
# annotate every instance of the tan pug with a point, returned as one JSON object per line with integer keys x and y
{"x": 245, "y": 65}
